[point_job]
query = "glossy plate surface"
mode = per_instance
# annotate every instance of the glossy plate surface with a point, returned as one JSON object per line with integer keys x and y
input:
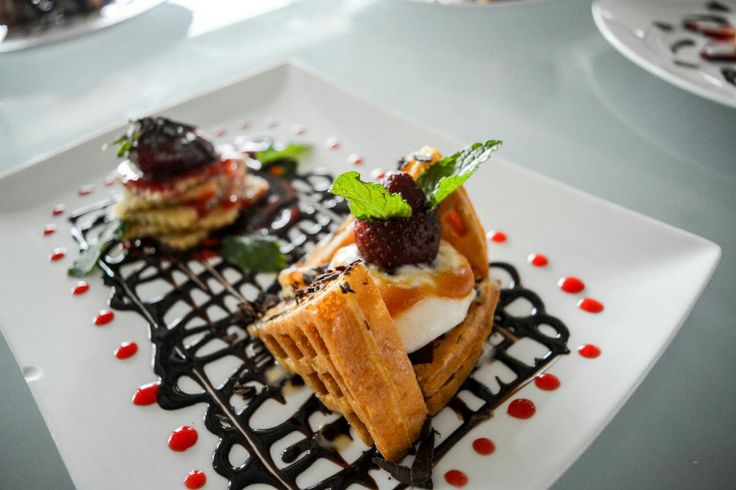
{"x": 647, "y": 274}
{"x": 672, "y": 53}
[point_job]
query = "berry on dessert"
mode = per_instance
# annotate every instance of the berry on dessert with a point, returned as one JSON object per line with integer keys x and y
{"x": 177, "y": 187}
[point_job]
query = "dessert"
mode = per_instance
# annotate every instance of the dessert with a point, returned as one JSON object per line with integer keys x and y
{"x": 177, "y": 188}
{"x": 387, "y": 318}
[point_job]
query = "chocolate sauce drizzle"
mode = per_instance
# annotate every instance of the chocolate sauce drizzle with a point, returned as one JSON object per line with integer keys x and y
{"x": 206, "y": 300}
{"x": 709, "y": 48}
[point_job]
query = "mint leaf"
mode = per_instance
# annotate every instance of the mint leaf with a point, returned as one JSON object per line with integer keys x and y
{"x": 367, "y": 200}
{"x": 272, "y": 154}
{"x": 449, "y": 174}
{"x": 257, "y": 253}
{"x": 89, "y": 257}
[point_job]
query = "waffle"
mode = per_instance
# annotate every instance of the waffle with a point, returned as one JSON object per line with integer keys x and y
{"x": 445, "y": 363}
{"x": 341, "y": 339}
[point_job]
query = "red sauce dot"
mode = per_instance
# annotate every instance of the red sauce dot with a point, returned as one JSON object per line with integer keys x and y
{"x": 571, "y": 284}
{"x": 355, "y": 159}
{"x": 57, "y": 254}
{"x": 589, "y": 351}
{"x": 104, "y": 317}
{"x": 456, "y": 478}
{"x": 58, "y": 210}
{"x": 126, "y": 350}
{"x": 590, "y": 305}
{"x": 80, "y": 288}
{"x": 183, "y": 438}
{"x": 271, "y": 123}
{"x": 484, "y": 446}
{"x": 298, "y": 129}
{"x": 521, "y": 408}
{"x": 85, "y": 190}
{"x": 195, "y": 479}
{"x": 537, "y": 260}
{"x": 332, "y": 143}
{"x": 496, "y": 236}
{"x": 245, "y": 125}
{"x": 49, "y": 230}
{"x": 146, "y": 394}
{"x": 220, "y": 133}
{"x": 547, "y": 382}
{"x": 111, "y": 180}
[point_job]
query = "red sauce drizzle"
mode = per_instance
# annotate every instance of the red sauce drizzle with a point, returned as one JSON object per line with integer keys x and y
{"x": 195, "y": 479}
{"x": 710, "y": 28}
{"x": 355, "y": 159}
{"x": 126, "y": 350}
{"x": 111, "y": 180}
{"x": 298, "y": 129}
{"x": 547, "y": 382}
{"x": 220, "y": 133}
{"x": 456, "y": 478}
{"x": 49, "y": 230}
{"x": 484, "y": 446}
{"x": 80, "y": 288}
{"x": 85, "y": 190}
{"x": 104, "y": 317}
{"x": 146, "y": 395}
{"x": 58, "y": 210}
{"x": 182, "y": 438}
{"x": 496, "y": 236}
{"x": 521, "y": 408}
{"x": 537, "y": 260}
{"x": 590, "y": 305}
{"x": 589, "y": 351}
{"x": 332, "y": 143}
{"x": 57, "y": 254}
{"x": 571, "y": 284}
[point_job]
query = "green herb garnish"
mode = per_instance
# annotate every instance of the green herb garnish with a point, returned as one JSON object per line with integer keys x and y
{"x": 274, "y": 154}
{"x": 257, "y": 253}
{"x": 89, "y": 257}
{"x": 367, "y": 200}
{"x": 449, "y": 174}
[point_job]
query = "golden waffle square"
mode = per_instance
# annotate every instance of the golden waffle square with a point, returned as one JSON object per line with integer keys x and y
{"x": 339, "y": 336}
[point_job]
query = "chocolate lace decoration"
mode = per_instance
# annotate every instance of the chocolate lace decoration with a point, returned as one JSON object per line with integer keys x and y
{"x": 196, "y": 306}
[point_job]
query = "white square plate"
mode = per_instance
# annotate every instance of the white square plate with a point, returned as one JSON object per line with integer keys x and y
{"x": 647, "y": 274}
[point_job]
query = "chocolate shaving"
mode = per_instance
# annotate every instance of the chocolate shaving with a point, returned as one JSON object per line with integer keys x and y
{"x": 419, "y": 475}
{"x": 345, "y": 288}
{"x": 322, "y": 280}
{"x": 717, "y": 7}
{"x": 425, "y": 355}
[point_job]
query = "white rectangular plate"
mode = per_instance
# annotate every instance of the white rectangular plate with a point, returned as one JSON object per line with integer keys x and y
{"x": 647, "y": 274}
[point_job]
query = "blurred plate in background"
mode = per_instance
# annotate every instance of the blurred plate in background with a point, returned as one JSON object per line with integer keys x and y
{"x": 14, "y": 38}
{"x": 689, "y": 44}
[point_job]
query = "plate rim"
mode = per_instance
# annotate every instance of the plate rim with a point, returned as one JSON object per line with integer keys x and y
{"x": 651, "y": 66}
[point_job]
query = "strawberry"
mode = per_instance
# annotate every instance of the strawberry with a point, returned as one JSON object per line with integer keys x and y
{"x": 390, "y": 243}
{"x": 162, "y": 148}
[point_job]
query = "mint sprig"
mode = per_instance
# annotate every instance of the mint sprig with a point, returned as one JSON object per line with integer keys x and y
{"x": 449, "y": 174}
{"x": 273, "y": 154}
{"x": 368, "y": 201}
{"x": 254, "y": 252}
{"x": 89, "y": 257}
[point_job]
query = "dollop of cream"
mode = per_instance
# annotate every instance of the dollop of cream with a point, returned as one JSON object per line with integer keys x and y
{"x": 433, "y": 315}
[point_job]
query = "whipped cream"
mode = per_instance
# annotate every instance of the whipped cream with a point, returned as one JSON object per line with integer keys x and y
{"x": 432, "y": 316}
